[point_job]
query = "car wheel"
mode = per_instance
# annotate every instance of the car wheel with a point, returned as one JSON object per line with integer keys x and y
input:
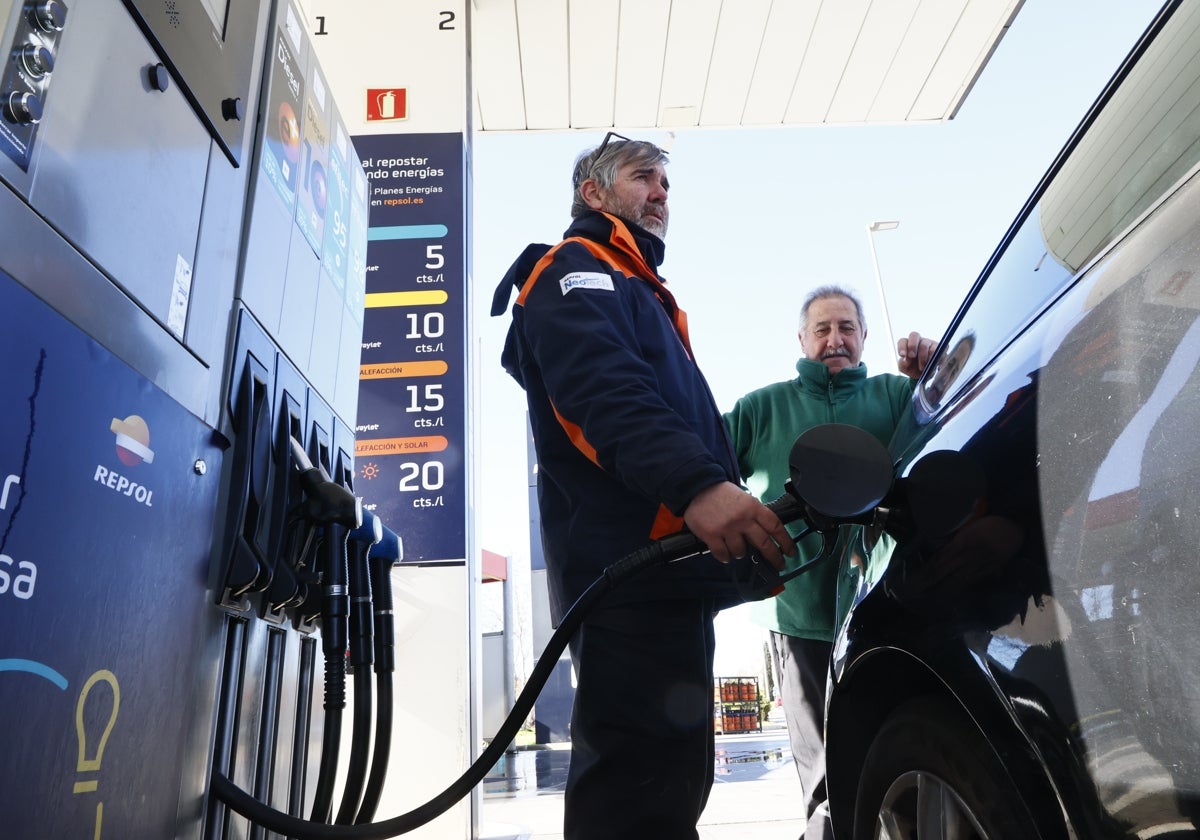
{"x": 929, "y": 775}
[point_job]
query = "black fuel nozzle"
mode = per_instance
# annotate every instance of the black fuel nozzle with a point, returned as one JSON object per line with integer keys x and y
{"x": 683, "y": 544}
{"x": 330, "y": 510}
{"x": 336, "y": 510}
{"x": 325, "y": 501}
{"x": 335, "y": 608}
{"x": 753, "y": 576}
{"x": 839, "y": 474}
{"x": 385, "y": 553}
{"x": 361, "y": 539}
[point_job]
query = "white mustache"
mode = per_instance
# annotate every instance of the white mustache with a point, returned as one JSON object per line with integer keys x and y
{"x": 841, "y": 351}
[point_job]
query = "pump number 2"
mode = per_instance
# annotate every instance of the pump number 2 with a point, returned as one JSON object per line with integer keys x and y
{"x": 415, "y": 478}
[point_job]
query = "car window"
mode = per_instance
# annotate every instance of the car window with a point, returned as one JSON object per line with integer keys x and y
{"x": 1142, "y": 142}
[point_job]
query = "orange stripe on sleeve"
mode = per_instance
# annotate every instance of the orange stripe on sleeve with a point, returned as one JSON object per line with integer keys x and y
{"x": 538, "y": 268}
{"x": 575, "y": 433}
{"x": 665, "y": 523}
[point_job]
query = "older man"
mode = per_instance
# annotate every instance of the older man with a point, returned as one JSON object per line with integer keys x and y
{"x": 832, "y": 387}
{"x": 630, "y": 446}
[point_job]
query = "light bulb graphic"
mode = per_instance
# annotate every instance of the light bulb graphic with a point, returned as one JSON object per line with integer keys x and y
{"x": 92, "y": 744}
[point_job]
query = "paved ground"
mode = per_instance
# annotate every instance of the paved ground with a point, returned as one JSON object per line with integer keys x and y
{"x": 753, "y": 797}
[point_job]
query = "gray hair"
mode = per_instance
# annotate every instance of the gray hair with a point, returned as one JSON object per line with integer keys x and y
{"x": 602, "y": 163}
{"x": 830, "y": 291}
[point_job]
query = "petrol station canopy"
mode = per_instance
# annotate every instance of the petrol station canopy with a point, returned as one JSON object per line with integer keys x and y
{"x": 667, "y": 64}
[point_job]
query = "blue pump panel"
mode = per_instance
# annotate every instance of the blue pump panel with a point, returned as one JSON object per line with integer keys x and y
{"x": 108, "y": 495}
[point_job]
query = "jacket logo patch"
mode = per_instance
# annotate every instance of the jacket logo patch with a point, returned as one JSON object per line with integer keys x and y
{"x": 586, "y": 280}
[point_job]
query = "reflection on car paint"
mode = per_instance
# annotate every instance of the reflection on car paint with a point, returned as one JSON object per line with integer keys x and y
{"x": 1061, "y": 616}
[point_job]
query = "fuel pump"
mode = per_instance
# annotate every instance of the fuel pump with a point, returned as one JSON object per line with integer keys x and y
{"x": 839, "y": 475}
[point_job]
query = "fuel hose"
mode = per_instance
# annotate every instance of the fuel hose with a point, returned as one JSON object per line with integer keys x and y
{"x": 668, "y": 549}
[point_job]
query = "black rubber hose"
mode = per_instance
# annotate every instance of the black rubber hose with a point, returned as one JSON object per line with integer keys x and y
{"x": 382, "y": 751}
{"x": 360, "y": 743}
{"x": 278, "y": 821}
{"x": 383, "y": 555}
{"x": 668, "y": 549}
{"x": 335, "y": 607}
{"x": 330, "y": 743}
{"x": 362, "y": 655}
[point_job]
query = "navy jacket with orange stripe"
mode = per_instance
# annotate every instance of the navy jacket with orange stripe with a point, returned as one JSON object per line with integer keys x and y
{"x": 625, "y": 427}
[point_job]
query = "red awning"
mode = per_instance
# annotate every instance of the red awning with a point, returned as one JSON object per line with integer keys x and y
{"x": 495, "y": 566}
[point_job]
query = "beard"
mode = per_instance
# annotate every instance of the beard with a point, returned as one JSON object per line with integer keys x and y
{"x": 654, "y": 224}
{"x": 653, "y": 217}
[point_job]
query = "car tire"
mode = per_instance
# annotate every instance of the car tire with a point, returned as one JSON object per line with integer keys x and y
{"x": 928, "y": 775}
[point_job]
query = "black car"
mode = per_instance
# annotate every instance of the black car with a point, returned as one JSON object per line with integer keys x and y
{"x": 1020, "y": 657}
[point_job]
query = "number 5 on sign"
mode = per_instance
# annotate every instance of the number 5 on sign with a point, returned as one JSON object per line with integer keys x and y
{"x": 433, "y": 257}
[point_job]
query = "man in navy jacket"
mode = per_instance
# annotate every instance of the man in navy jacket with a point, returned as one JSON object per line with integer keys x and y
{"x": 630, "y": 446}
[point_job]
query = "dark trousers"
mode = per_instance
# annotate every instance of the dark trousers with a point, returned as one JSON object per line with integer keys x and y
{"x": 642, "y": 724}
{"x": 803, "y": 665}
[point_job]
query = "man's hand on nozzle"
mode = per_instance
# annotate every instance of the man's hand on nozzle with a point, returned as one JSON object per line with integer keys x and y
{"x": 732, "y": 523}
{"x": 913, "y": 354}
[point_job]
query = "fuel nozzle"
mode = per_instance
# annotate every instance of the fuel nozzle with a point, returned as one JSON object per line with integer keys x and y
{"x": 335, "y": 510}
{"x": 838, "y": 474}
{"x": 361, "y": 539}
{"x": 325, "y": 501}
{"x": 359, "y": 542}
{"x": 385, "y": 553}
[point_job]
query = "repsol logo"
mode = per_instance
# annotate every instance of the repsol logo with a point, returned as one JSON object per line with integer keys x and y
{"x": 120, "y": 484}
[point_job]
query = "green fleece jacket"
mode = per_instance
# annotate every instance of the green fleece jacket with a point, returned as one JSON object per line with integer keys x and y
{"x": 763, "y": 426}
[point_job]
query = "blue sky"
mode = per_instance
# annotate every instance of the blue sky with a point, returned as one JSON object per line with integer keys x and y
{"x": 759, "y": 216}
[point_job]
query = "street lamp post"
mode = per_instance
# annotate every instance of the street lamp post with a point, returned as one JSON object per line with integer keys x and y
{"x": 887, "y": 318}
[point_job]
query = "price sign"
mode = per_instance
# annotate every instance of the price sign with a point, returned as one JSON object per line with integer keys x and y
{"x": 401, "y": 86}
{"x": 410, "y": 451}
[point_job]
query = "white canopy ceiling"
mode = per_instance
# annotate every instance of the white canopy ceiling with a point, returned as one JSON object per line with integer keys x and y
{"x": 664, "y": 64}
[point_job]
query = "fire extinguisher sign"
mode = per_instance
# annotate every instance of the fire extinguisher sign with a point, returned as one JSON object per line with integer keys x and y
{"x": 385, "y": 104}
